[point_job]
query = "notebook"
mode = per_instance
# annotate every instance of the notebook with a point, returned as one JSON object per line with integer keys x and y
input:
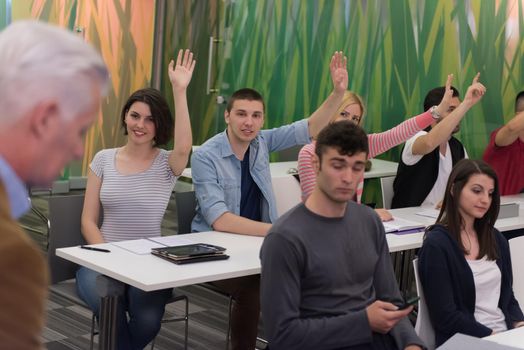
{"x": 399, "y": 225}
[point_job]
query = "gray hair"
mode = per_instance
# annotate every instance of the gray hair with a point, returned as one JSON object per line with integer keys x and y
{"x": 41, "y": 62}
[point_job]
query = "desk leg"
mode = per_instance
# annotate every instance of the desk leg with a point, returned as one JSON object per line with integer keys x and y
{"x": 109, "y": 290}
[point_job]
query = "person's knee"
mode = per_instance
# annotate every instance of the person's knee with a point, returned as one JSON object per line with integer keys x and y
{"x": 86, "y": 288}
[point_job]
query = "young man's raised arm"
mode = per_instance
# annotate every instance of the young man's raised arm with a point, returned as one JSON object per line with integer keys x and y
{"x": 511, "y": 131}
{"x": 442, "y": 131}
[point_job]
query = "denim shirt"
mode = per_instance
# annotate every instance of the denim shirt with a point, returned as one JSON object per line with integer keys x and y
{"x": 16, "y": 190}
{"x": 216, "y": 173}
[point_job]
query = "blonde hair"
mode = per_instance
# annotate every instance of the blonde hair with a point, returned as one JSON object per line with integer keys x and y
{"x": 350, "y": 98}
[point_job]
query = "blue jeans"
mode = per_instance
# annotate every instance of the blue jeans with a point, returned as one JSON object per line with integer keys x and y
{"x": 145, "y": 310}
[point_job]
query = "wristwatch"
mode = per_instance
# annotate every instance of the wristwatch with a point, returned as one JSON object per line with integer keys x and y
{"x": 434, "y": 113}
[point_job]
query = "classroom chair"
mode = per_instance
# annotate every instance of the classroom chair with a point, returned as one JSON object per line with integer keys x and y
{"x": 65, "y": 213}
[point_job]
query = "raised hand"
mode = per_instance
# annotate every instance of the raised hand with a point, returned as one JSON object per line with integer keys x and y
{"x": 475, "y": 91}
{"x": 443, "y": 106}
{"x": 180, "y": 75}
{"x": 339, "y": 72}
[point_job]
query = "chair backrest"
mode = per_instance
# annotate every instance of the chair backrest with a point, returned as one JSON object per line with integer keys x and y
{"x": 386, "y": 185}
{"x": 185, "y": 208}
{"x": 423, "y": 326}
{"x": 65, "y": 213}
{"x": 289, "y": 154}
{"x": 516, "y": 248}
{"x": 287, "y": 192}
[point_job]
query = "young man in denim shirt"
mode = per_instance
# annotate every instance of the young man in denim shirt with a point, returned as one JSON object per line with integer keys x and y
{"x": 233, "y": 183}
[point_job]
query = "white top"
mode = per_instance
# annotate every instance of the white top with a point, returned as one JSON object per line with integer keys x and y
{"x": 134, "y": 205}
{"x": 487, "y": 278}
{"x": 444, "y": 169}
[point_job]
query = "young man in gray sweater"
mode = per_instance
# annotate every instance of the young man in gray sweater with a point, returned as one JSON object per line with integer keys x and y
{"x": 327, "y": 281}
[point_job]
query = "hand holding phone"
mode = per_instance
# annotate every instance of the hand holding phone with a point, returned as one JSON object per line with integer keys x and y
{"x": 408, "y": 302}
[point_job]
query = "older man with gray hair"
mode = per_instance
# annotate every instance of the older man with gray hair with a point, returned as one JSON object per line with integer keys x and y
{"x": 51, "y": 83}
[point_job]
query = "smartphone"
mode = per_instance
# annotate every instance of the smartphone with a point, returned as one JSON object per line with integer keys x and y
{"x": 408, "y": 302}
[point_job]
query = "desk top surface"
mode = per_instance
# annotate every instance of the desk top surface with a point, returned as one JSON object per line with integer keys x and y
{"x": 148, "y": 272}
{"x": 502, "y": 225}
{"x": 379, "y": 168}
{"x": 513, "y": 337}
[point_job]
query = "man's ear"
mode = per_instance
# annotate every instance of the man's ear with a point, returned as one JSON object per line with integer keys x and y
{"x": 44, "y": 117}
{"x": 226, "y": 116}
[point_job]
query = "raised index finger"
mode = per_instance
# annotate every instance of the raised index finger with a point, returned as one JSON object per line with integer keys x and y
{"x": 476, "y": 79}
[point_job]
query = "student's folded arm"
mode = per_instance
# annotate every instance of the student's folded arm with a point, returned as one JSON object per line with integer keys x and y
{"x": 510, "y": 132}
{"x": 211, "y": 197}
{"x": 280, "y": 301}
{"x": 229, "y": 222}
{"x": 91, "y": 210}
{"x": 438, "y": 291}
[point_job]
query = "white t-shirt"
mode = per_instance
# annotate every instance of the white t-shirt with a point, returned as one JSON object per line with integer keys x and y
{"x": 487, "y": 278}
{"x": 444, "y": 169}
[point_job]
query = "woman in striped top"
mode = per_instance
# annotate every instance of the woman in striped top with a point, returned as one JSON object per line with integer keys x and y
{"x": 352, "y": 108}
{"x": 132, "y": 185}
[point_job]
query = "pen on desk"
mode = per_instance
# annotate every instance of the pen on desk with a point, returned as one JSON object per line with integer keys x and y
{"x": 95, "y": 249}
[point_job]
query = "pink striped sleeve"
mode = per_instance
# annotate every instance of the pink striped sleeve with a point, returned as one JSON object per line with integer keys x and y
{"x": 360, "y": 190}
{"x": 381, "y": 142}
{"x": 306, "y": 173}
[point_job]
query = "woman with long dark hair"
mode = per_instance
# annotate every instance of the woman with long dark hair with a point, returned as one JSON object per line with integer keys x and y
{"x": 464, "y": 262}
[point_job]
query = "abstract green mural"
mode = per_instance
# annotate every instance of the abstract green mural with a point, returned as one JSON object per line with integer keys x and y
{"x": 123, "y": 33}
{"x": 397, "y": 50}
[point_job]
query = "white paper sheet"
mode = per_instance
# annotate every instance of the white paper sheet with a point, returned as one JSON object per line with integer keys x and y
{"x": 138, "y": 246}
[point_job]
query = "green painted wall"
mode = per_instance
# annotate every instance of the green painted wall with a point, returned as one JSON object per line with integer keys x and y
{"x": 4, "y": 13}
{"x": 397, "y": 51}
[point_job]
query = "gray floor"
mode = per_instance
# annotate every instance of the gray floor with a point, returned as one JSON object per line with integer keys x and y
{"x": 68, "y": 324}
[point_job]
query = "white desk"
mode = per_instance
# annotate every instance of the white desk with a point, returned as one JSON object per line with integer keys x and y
{"x": 379, "y": 168}
{"x": 287, "y": 188}
{"x": 513, "y": 337}
{"x": 149, "y": 273}
{"x": 413, "y": 241}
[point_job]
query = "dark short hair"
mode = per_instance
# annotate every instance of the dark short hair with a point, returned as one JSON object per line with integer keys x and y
{"x": 159, "y": 111}
{"x": 449, "y": 213}
{"x": 434, "y": 96}
{"x": 245, "y": 94}
{"x": 347, "y": 137}
{"x": 519, "y": 99}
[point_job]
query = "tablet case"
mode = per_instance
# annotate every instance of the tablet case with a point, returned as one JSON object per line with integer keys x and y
{"x": 189, "y": 253}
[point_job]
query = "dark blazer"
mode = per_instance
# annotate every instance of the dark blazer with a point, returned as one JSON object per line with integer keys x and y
{"x": 23, "y": 284}
{"x": 449, "y": 288}
{"x": 414, "y": 182}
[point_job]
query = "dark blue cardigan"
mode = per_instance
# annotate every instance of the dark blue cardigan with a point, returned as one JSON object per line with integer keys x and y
{"x": 449, "y": 288}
